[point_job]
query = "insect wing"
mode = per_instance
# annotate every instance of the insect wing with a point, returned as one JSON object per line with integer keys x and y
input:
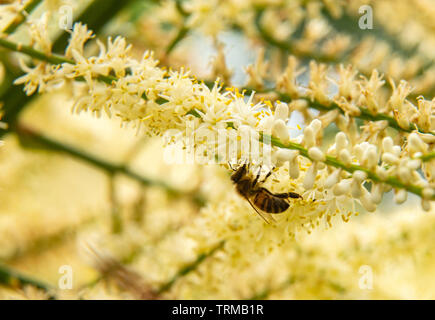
{"x": 264, "y": 215}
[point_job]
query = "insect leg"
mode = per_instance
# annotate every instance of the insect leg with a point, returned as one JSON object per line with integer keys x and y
{"x": 286, "y": 195}
{"x": 229, "y": 163}
{"x": 254, "y": 183}
{"x": 267, "y": 176}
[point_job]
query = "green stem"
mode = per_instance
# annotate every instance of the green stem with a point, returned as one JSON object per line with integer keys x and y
{"x": 262, "y": 295}
{"x": 182, "y": 33}
{"x": 428, "y": 156}
{"x": 12, "y": 278}
{"x": 288, "y": 46}
{"x": 97, "y": 14}
{"x": 180, "y": 273}
{"x": 53, "y": 59}
{"x": 364, "y": 113}
{"x": 330, "y": 160}
{"x": 189, "y": 268}
{"x": 27, "y": 133}
{"x": 344, "y": 24}
{"x": 21, "y": 17}
{"x": 117, "y": 225}
{"x": 46, "y": 241}
{"x": 180, "y": 9}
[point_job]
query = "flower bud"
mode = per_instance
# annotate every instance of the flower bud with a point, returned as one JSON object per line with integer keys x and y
{"x": 298, "y": 104}
{"x": 332, "y": 179}
{"x": 387, "y": 144}
{"x": 381, "y": 172}
{"x": 377, "y": 193}
{"x": 371, "y": 157}
{"x": 341, "y": 141}
{"x": 310, "y": 177}
{"x": 425, "y": 204}
{"x": 321, "y": 165}
{"x": 316, "y": 154}
{"x": 345, "y": 157}
{"x": 316, "y": 124}
{"x": 400, "y": 196}
{"x": 415, "y": 143}
{"x": 360, "y": 176}
{"x": 342, "y": 187}
{"x": 390, "y": 158}
{"x": 397, "y": 150}
{"x": 280, "y": 130}
{"x": 356, "y": 189}
{"x": 284, "y": 154}
{"x": 428, "y": 193}
{"x": 294, "y": 168}
{"x": 404, "y": 174}
{"x": 281, "y": 112}
{"x": 367, "y": 201}
{"x": 267, "y": 124}
{"x": 413, "y": 164}
{"x": 309, "y": 138}
{"x": 359, "y": 152}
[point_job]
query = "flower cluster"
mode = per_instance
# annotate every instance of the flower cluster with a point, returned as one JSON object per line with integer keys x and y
{"x": 10, "y": 12}
{"x": 257, "y": 262}
{"x": 370, "y": 145}
{"x": 314, "y": 30}
{"x": 205, "y": 117}
{"x": 156, "y": 101}
{"x": 362, "y": 137}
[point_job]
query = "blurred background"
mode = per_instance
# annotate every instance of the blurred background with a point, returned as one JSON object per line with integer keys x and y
{"x": 84, "y": 192}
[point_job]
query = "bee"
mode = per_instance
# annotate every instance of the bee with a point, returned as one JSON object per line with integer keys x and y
{"x": 258, "y": 197}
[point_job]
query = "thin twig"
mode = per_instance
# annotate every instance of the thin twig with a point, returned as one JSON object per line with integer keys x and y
{"x": 332, "y": 161}
{"x": 46, "y": 241}
{"x": 264, "y": 294}
{"x": 12, "y": 278}
{"x": 364, "y": 113}
{"x": 25, "y": 132}
{"x": 117, "y": 225}
{"x": 182, "y": 33}
{"x": 21, "y": 17}
{"x": 348, "y": 25}
{"x": 96, "y": 15}
{"x": 185, "y": 270}
{"x": 54, "y": 59}
{"x": 189, "y": 268}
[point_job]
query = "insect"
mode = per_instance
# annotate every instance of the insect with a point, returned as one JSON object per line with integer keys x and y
{"x": 258, "y": 197}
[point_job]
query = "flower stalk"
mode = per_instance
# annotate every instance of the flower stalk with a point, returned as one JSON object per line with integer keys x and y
{"x": 332, "y": 161}
{"x": 287, "y": 47}
{"x": 189, "y": 268}
{"x": 21, "y": 17}
{"x": 12, "y": 278}
{"x": 25, "y": 132}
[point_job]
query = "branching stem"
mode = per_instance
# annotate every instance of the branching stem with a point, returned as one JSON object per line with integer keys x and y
{"x": 21, "y": 17}
{"x": 393, "y": 181}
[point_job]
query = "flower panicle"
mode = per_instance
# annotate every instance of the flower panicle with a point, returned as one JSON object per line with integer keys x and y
{"x": 157, "y": 101}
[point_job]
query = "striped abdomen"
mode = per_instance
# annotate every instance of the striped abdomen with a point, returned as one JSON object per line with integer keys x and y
{"x": 269, "y": 203}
